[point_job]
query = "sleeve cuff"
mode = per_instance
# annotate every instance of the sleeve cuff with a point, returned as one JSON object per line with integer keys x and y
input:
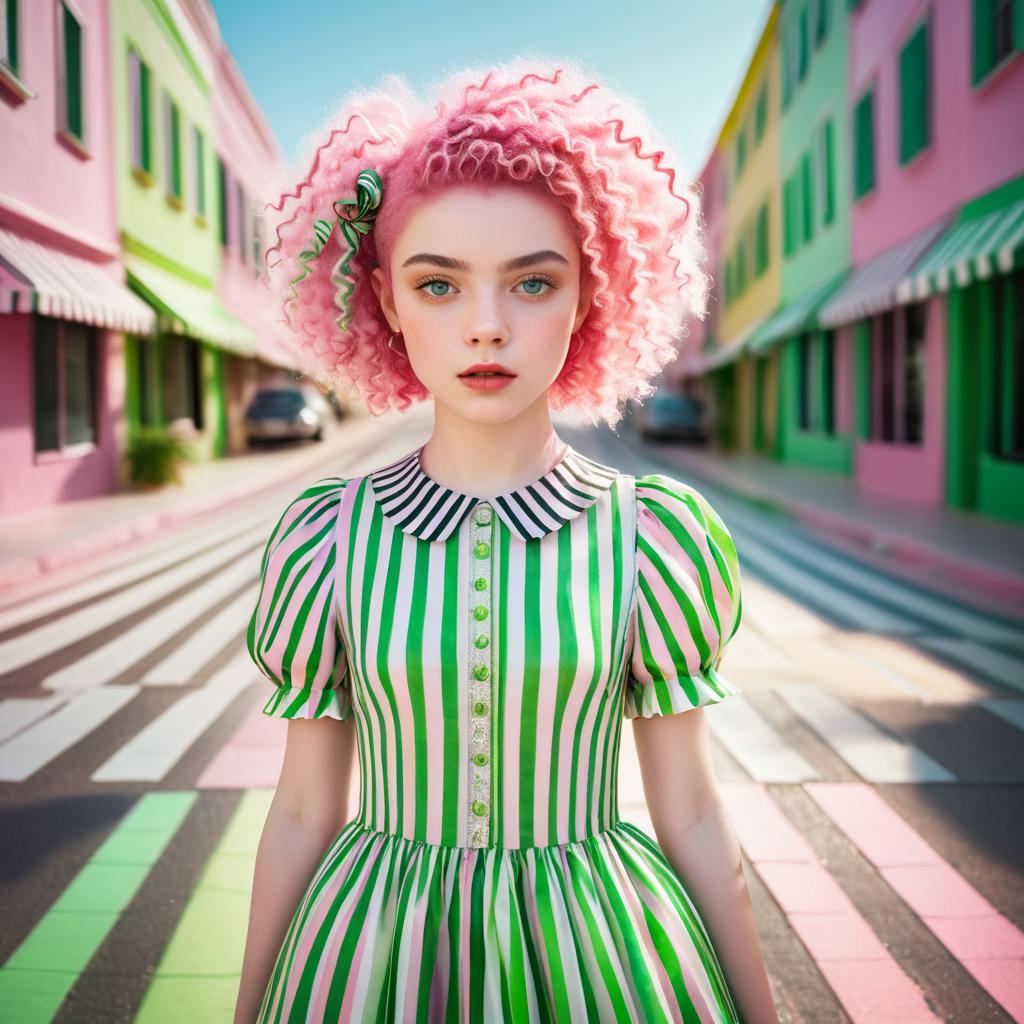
{"x": 294, "y": 702}
{"x": 681, "y": 693}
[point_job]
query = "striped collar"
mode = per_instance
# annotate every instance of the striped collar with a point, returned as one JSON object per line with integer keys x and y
{"x": 426, "y": 509}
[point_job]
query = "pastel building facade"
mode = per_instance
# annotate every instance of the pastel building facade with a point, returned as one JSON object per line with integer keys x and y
{"x": 897, "y": 338}
{"x": 64, "y": 307}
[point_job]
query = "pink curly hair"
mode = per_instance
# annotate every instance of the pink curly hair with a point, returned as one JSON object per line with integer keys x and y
{"x": 543, "y": 123}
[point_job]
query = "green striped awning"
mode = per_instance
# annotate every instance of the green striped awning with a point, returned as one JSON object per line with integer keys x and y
{"x": 970, "y": 251}
{"x": 183, "y": 307}
{"x": 801, "y": 314}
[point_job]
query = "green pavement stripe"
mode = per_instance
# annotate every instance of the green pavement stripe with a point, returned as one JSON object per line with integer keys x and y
{"x": 41, "y": 971}
{"x": 197, "y": 979}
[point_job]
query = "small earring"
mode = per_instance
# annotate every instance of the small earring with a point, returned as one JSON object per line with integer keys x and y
{"x": 391, "y": 339}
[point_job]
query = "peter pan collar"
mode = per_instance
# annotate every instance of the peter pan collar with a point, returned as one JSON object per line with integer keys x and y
{"x": 426, "y": 509}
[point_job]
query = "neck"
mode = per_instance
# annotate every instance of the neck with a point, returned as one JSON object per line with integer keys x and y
{"x": 484, "y": 459}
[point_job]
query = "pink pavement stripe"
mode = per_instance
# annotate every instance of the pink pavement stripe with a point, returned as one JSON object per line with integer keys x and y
{"x": 867, "y": 981}
{"x": 251, "y": 759}
{"x": 988, "y": 945}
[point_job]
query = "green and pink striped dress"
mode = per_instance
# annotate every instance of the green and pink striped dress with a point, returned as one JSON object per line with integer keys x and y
{"x": 488, "y": 651}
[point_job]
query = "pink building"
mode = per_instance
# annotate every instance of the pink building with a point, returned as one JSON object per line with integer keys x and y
{"x": 63, "y": 303}
{"x": 935, "y": 97}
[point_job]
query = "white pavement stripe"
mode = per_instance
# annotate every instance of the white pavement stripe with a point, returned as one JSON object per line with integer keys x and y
{"x": 19, "y": 712}
{"x": 755, "y": 743}
{"x": 154, "y": 751}
{"x": 774, "y": 614}
{"x": 870, "y": 584}
{"x": 1003, "y": 668}
{"x": 874, "y": 754}
{"x": 62, "y": 632}
{"x": 45, "y": 741}
{"x": 148, "y": 559}
{"x": 180, "y": 666}
{"x": 1009, "y": 709}
{"x": 119, "y": 654}
{"x": 815, "y": 587}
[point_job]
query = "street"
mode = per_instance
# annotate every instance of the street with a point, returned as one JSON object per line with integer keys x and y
{"x": 873, "y": 768}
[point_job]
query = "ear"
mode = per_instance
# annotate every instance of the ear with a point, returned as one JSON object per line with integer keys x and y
{"x": 583, "y": 305}
{"x": 386, "y": 298}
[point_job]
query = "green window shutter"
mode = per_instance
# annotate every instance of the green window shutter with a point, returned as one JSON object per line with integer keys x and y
{"x": 787, "y": 217}
{"x": 10, "y": 58}
{"x": 741, "y": 152}
{"x": 72, "y": 74}
{"x": 761, "y": 112}
{"x": 914, "y": 104}
{"x": 175, "y": 149}
{"x": 808, "y": 197}
{"x": 200, "y": 174}
{"x": 984, "y": 39}
{"x": 786, "y": 65}
{"x": 761, "y": 240}
{"x": 147, "y": 125}
{"x": 803, "y": 53}
{"x": 864, "y": 145}
{"x": 822, "y": 21}
{"x": 1017, "y": 14}
{"x": 828, "y": 173}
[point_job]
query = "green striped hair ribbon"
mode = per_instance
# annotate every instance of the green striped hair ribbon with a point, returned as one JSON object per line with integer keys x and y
{"x": 369, "y": 193}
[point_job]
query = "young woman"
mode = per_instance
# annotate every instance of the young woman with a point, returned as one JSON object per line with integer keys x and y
{"x": 475, "y": 619}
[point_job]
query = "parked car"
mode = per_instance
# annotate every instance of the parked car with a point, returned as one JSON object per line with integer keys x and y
{"x": 667, "y": 415}
{"x": 285, "y": 413}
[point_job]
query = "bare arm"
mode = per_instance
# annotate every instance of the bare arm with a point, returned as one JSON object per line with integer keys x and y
{"x": 694, "y": 830}
{"x": 305, "y": 815}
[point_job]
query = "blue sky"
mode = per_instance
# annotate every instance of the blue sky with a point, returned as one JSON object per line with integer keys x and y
{"x": 682, "y": 59}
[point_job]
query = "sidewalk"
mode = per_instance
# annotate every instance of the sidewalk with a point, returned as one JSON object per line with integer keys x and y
{"x": 960, "y": 551}
{"x": 36, "y": 543}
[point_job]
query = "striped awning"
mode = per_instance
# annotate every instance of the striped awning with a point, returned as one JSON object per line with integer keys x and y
{"x": 36, "y": 278}
{"x": 969, "y": 251}
{"x": 871, "y": 288}
{"x": 801, "y": 314}
{"x": 190, "y": 309}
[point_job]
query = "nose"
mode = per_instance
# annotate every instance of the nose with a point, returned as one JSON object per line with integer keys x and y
{"x": 485, "y": 322}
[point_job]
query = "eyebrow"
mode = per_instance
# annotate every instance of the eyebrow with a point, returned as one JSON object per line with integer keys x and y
{"x": 518, "y": 263}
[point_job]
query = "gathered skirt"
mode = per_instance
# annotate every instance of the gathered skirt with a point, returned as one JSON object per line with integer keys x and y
{"x": 394, "y": 929}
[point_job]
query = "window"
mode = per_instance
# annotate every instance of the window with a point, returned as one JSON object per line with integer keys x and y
{"x": 71, "y": 115}
{"x": 761, "y": 113}
{"x": 788, "y": 217}
{"x": 761, "y": 249}
{"x": 822, "y": 21}
{"x": 198, "y": 171}
{"x": 172, "y": 146}
{"x": 65, "y": 383}
{"x": 915, "y": 117}
{"x": 864, "y": 145}
{"x": 1006, "y": 426}
{"x": 141, "y": 129}
{"x": 816, "y": 383}
{"x": 223, "y": 197}
{"x": 257, "y": 242}
{"x": 805, "y": 355}
{"x": 181, "y": 379}
{"x": 807, "y": 192}
{"x": 9, "y": 34}
{"x": 998, "y": 33}
{"x": 786, "y": 63}
{"x": 803, "y": 53}
{"x": 898, "y": 368}
{"x": 240, "y": 225}
{"x": 826, "y": 178}
{"x": 741, "y": 152}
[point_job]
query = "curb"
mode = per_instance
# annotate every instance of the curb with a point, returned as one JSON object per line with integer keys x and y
{"x": 995, "y": 583}
{"x": 32, "y": 568}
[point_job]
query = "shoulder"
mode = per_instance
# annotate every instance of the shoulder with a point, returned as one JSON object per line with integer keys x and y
{"x": 309, "y": 516}
{"x": 662, "y": 498}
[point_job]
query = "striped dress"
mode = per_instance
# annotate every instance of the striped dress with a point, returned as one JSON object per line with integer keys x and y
{"x": 488, "y": 651}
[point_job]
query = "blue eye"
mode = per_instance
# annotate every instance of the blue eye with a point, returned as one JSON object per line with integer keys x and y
{"x": 438, "y": 294}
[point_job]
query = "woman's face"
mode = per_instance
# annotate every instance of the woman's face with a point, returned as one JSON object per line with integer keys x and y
{"x": 485, "y": 274}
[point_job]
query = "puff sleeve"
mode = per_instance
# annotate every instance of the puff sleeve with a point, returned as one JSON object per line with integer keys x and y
{"x": 294, "y": 636}
{"x": 687, "y": 604}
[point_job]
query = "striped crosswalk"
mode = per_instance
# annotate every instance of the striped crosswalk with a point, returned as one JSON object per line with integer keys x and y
{"x": 127, "y": 673}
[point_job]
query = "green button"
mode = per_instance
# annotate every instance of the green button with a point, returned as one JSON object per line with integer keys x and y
{"x": 479, "y": 808}
{"x": 482, "y": 550}
{"x": 482, "y": 640}
{"x": 480, "y": 672}
{"x": 479, "y": 759}
{"x": 480, "y": 707}
{"x": 478, "y": 836}
{"x": 480, "y": 612}
{"x": 480, "y": 583}
{"x": 482, "y": 516}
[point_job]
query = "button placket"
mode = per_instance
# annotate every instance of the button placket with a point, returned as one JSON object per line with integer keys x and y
{"x": 479, "y": 673}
